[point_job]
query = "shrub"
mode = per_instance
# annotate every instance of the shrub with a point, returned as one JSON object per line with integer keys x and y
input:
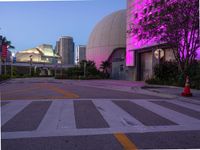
{"x": 77, "y": 72}
{"x": 167, "y": 73}
{"x": 4, "y": 77}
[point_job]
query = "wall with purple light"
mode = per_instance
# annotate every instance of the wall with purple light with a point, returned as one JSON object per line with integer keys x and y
{"x": 134, "y": 7}
{"x": 134, "y": 10}
{"x": 198, "y": 54}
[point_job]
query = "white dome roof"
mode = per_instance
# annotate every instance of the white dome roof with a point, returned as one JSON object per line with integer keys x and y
{"x": 108, "y": 34}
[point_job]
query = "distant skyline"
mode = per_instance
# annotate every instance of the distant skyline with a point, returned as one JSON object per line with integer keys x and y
{"x": 29, "y": 24}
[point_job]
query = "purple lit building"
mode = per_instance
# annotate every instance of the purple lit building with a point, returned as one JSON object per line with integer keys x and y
{"x": 113, "y": 40}
{"x": 141, "y": 56}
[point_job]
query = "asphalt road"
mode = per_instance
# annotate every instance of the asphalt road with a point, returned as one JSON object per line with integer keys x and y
{"x": 47, "y": 114}
{"x": 48, "y": 88}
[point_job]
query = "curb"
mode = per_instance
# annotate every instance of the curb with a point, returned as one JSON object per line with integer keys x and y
{"x": 140, "y": 90}
{"x": 158, "y": 93}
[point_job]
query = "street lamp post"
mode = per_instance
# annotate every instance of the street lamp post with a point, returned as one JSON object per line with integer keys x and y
{"x": 30, "y": 64}
{"x": 11, "y": 68}
{"x": 12, "y": 61}
{"x": 84, "y": 69}
{"x": 61, "y": 67}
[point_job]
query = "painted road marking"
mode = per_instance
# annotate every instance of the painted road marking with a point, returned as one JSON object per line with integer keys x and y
{"x": 88, "y": 116}
{"x": 187, "y": 105}
{"x": 11, "y": 109}
{"x": 67, "y": 110}
{"x": 142, "y": 114}
{"x": 172, "y": 115}
{"x": 51, "y": 118}
{"x": 28, "y": 119}
{"x": 67, "y": 117}
{"x": 56, "y": 89}
{"x": 181, "y": 109}
{"x": 96, "y": 131}
{"x": 114, "y": 115}
{"x": 125, "y": 141}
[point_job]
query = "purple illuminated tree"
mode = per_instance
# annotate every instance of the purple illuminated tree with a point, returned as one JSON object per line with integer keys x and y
{"x": 174, "y": 22}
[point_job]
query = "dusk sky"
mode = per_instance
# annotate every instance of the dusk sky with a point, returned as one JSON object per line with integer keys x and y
{"x": 28, "y": 24}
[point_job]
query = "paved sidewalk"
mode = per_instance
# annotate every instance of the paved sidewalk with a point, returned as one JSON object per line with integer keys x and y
{"x": 171, "y": 90}
{"x": 136, "y": 87}
{"x": 141, "y": 87}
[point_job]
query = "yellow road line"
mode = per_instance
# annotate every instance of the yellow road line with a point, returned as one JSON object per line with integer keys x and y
{"x": 125, "y": 141}
{"x": 63, "y": 92}
{"x": 66, "y": 94}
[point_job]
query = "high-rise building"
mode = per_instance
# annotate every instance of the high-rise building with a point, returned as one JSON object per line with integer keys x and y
{"x": 80, "y": 53}
{"x": 66, "y": 50}
{"x": 57, "y": 48}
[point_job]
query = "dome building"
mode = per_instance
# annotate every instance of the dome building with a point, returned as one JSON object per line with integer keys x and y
{"x": 107, "y": 36}
{"x": 108, "y": 42}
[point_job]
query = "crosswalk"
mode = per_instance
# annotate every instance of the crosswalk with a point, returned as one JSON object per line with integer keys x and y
{"x": 104, "y": 116}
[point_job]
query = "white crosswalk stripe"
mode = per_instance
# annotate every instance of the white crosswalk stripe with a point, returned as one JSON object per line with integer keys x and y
{"x": 11, "y": 109}
{"x": 187, "y": 105}
{"x": 114, "y": 115}
{"x": 174, "y": 116}
{"x": 60, "y": 119}
{"x": 51, "y": 118}
{"x": 60, "y": 115}
{"x": 67, "y": 118}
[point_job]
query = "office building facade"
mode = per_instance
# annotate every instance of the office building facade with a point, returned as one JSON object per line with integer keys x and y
{"x": 66, "y": 50}
{"x": 57, "y": 47}
{"x": 80, "y": 53}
